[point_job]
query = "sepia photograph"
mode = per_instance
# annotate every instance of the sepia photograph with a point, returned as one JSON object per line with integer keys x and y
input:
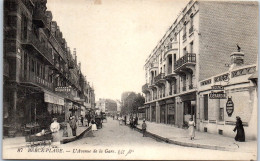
{"x": 130, "y": 79}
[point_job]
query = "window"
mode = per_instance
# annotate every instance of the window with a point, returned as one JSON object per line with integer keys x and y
{"x": 191, "y": 24}
{"x": 221, "y": 114}
{"x": 206, "y": 107}
{"x": 38, "y": 69}
{"x": 24, "y": 28}
{"x": 191, "y": 47}
{"x": 184, "y": 32}
{"x": 32, "y": 65}
{"x": 184, "y": 51}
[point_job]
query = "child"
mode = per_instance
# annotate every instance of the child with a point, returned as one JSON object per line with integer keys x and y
{"x": 144, "y": 128}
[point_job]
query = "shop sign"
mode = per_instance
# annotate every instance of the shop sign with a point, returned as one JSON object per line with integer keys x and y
{"x": 217, "y": 87}
{"x": 63, "y": 89}
{"x": 217, "y": 95}
{"x": 229, "y": 106}
{"x": 53, "y": 99}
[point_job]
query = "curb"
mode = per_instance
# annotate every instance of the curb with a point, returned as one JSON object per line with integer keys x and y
{"x": 64, "y": 141}
{"x": 203, "y": 146}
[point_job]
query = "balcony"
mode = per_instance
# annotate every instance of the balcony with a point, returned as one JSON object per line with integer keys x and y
{"x": 33, "y": 43}
{"x": 170, "y": 93}
{"x": 35, "y": 80}
{"x": 191, "y": 30}
{"x": 145, "y": 88}
{"x": 184, "y": 88}
{"x": 183, "y": 62}
{"x": 170, "y": 47}
{"x": 6, "y": 68}
{"x": 39, "y": 18}
{"x": 159, "y": 78}
{"x": 175, "y": 91}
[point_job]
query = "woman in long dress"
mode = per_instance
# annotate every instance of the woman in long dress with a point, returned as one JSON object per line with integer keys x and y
{"x": 55, "y": 127}
{"x": 240, "y": 136}
{"x": 93, "y": 126}
{"x": 191, "y": 128}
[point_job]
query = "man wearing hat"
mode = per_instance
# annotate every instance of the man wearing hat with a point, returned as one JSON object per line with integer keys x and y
{"x": 144, "y": 128}
{"x": 73, "y": 125}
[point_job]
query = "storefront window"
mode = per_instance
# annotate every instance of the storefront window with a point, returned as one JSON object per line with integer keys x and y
{"x": 221, "y": 114}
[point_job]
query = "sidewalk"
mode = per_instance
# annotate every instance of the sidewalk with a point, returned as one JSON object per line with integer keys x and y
{"x": 20, "y": 141}
{"x": 204, "y": 140}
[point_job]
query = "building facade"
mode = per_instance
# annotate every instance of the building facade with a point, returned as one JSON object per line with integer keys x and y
{"x": 42, "y": 78}
{"x": 196, "y": 46}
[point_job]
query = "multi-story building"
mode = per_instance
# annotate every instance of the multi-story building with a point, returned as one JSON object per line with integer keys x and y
{"x": 196, "y": 46}
{"x": 107, "y": 105}
{"x": 101, "y": 104}
{"x": 42, "y": 79}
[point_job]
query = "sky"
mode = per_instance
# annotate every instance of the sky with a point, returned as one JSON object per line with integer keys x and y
{"x": 113, "y": 38}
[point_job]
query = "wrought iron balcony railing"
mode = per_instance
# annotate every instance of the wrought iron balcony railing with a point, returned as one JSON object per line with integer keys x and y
{"x": 39, "y": 18}
{"x": 41, "y": 48}
{"x": 33, "y": 78}
{"x": 159, "y": 77}
{"x": 184, "y": 88}
{"x": 187, "y": 58}
{"x": 145, "y": 88}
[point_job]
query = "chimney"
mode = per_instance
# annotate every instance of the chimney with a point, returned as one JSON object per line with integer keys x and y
{"x": 237, "y": 58}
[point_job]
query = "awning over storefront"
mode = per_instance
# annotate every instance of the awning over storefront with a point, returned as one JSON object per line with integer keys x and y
{"x": 52, "y": 98}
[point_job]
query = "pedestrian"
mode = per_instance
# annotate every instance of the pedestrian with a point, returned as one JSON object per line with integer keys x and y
{"x": 144, "y": 126}
{"x": 55, "y": 127}
{"x": 240, "y": 136}
{"x": 125, "y": 120}
{"x": 89, "y": 119}
{"x": 81, "y": 120}
{"x": 93, "y": 125}
{"x": 73, "y": 125}
{"x": 131, "y": 123}
{"x": 191, "y": 128}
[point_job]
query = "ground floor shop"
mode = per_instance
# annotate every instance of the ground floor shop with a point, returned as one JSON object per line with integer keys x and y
{"x": 28, "y": 109}
{"x": 220, "y": 103}
{"x": 173, "y": 111}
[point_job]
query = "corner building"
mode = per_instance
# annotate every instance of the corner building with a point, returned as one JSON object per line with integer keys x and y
{"x": 196, "y": 46}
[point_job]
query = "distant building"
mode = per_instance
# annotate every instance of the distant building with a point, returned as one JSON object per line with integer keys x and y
{"x": 119, "y": 105}
{"x": 107, "y": 105}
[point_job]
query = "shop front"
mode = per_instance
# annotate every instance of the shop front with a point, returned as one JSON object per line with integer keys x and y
{"x": 55, "y": 106}
{"x": 189, "y": 107}
{"x": 170, "y": 111}
{"x": 162, "y": 111}
{"x": 153, "y": 112}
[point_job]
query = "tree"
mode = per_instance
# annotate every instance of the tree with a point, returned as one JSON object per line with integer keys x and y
{"x": 132, "y": 102}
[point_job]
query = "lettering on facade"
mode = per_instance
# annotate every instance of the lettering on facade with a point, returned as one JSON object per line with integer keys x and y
{"x": 217, "y": 95}
{"x": 217, "y": 87}
{"x": 229, "y": 106}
